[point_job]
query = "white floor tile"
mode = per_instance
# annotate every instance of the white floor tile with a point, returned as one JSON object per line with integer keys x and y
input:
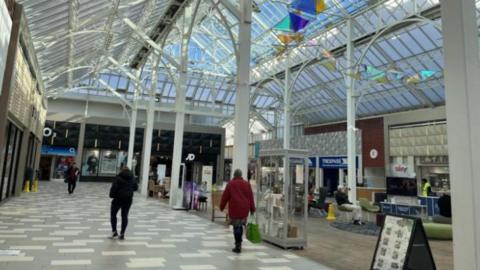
{"x": 197, "y": 267}
{"x": 70, "y": 262}
{"x": 119, "y": 253}
{"x": 195, "y": 255}
{"x": 29, "y": 247}
{"x": 16, "y": 259}
{"x": 76, "y": 250}
{"x": 274, "y": 260}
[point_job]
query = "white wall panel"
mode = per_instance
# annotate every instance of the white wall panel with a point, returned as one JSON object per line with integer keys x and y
{"x": 5, "y": 29}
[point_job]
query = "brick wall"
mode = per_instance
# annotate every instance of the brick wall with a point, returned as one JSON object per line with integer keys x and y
{"x": 372, "y": 138}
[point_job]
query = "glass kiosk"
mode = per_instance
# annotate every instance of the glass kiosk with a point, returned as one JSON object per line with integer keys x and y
{"x": 282, "y": 197}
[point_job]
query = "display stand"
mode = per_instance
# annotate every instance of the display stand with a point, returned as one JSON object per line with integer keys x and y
{"x": 282, "y": 197}
{"x": 402, "y": 244}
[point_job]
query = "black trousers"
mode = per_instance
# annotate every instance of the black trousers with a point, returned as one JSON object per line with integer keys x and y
{"x": 238, "y": 233}
{"x": 71, "y": 186}
{"x": 124, "y": 205}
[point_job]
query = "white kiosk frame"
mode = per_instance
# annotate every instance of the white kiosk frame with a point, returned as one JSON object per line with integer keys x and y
{"x": 282, "y": 207}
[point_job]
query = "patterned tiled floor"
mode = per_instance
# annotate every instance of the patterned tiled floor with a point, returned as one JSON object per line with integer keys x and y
{"x": 53, "y": 230}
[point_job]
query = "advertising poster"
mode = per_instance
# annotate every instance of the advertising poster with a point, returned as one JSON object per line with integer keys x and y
{"x": 108, "y": 163}
{"x": 90, "y": 162}
{"x": 121, "y": 160}
{"x": 161, "y": 170}
{"x": 394, "y": 243}
{"x": 207, "y": 180}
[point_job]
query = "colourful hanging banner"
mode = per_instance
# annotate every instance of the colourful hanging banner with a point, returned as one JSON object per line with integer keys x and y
{"x": 284, "y": 25}
{"x": 298, "y": 22}
{"x": 311, "y": 7}
{"x": 289, "y": 38}
{"x": 374, "y": 74}
{"x": 292, "y": 23}
{"x": 426, "y": 74}
{"x": 331, "y": 62}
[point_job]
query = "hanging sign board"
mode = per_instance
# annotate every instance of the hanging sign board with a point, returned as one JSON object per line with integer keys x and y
{"x": 402, "y": 244}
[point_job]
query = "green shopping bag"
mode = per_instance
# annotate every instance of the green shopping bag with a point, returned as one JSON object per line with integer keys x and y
{"x": 253, "y": 231}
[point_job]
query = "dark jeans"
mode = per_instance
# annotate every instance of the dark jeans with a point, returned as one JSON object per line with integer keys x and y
{"x": 71, "y": 186}
{"x": 238, "y": 233}
{"x": 118, "y": 204}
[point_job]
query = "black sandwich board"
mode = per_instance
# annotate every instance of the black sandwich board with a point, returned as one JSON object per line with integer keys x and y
{"x": 402, "y": 245}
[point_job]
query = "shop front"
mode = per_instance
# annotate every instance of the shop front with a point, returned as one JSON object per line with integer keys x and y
{"x": 55, "y": 161}
{"x": 9, "y": 168}
{"x": 333, "y": 172}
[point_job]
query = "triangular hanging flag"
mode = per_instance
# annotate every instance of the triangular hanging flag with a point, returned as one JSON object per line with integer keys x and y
{"x": 374, "y": 74}
{"x": 412, "y": 80}
{"x": 285, "y": 38}
{"x": 330, "y": 64}
{"x": 288, "y": 38}
{"x": 297, "y": 22}
{"x": 425, "y": 74}
{"x": 327, "y": 54}
{"x": 320, "y": 6}
{"x": 382, "y": 79}
{"x": 284, "y": 25}
{"x": 311, "y": 7}
{"x": 392, "y": 68}
{"x": 355, "y": 75}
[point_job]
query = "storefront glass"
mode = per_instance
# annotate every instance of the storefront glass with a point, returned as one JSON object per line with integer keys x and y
{"x": 108, "y": 163}
{"x": 61, "y": 166}
{"x": 10, "y": 164}
{"x": 90, "y": 162}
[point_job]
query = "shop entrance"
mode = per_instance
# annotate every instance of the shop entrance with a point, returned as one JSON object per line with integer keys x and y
{"x": 45, "y": 167}
{"x": 330, "y": 180}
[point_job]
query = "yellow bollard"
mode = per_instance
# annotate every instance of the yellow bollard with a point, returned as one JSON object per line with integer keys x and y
{"x": 26, "y": 189}
{"x": 35, "y": 186}
{"x": 331, "y": 213}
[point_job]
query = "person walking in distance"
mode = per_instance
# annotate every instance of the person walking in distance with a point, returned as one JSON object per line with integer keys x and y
{"x": 72, "y": 177}
{"x": 121, "y": 193}
{"x": 239, "y": 197}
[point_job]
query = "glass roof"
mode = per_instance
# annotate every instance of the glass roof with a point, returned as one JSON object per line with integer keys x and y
{"x": 402, "y": 70}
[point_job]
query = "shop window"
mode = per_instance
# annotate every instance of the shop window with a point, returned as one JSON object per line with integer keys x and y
{"x": 10, "y": 164}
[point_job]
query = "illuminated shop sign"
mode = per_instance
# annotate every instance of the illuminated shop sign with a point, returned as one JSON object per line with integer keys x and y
{"x": 340, "y": 162}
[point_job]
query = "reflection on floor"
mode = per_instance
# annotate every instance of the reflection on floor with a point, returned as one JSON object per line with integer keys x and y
{"x": 53, "y": 230}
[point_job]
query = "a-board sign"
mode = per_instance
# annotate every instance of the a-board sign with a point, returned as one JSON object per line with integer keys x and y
{"x": 402, "y": 244}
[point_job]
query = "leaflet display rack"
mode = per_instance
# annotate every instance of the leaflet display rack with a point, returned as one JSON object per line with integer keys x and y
{"x": 402, "y": 244}
{"x": 282, "y": 197}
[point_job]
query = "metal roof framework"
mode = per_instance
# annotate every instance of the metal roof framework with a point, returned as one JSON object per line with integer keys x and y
{"x": 75, "y": 38}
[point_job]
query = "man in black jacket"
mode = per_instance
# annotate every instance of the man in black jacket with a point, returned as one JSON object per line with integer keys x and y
{"x": 122, "y": 193}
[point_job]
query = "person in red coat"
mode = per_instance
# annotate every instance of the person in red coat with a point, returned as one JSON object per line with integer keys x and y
{"x": 239, "y": 197}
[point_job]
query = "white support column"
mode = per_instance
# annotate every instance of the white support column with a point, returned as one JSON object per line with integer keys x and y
{"x": 351, "y": 143}
{"x": 176, "y": 192}
{"x": 317, "y": 174}
{"x": 242, "y": 102}
{"x": 286, "y": 103}
{"x": 462, "y": 84}
{"x": 147, "y": 143}
{"x": 81, "y": 142}
{"x": 133, "y": 124}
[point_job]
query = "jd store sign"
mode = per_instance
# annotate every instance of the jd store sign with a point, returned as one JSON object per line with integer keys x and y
{"x": 190, "y": 157}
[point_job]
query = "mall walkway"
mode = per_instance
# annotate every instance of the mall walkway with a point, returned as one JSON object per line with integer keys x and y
{"x": 53, "y": 230}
